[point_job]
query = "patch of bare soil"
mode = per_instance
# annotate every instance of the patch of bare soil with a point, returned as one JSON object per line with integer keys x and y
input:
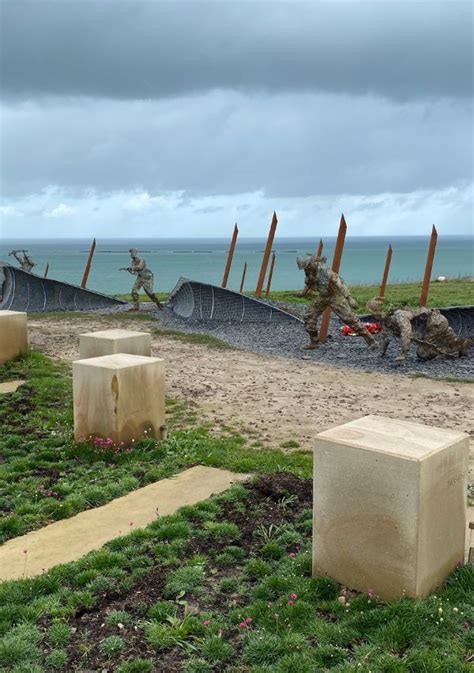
{"x": 274, "y": 401}
{"x": 90, "y": 625}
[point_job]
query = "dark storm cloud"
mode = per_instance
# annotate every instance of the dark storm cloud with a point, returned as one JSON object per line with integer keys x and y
{"x": 134, "y": 49}
{"x": 224, "y": 143}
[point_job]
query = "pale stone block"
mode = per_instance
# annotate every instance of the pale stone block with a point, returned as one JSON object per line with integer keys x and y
{"x": 119, "y": 396}
{"x": 13, "y": 335}
{"x": 389, "y": 505}
{"x": 111, "y": 341}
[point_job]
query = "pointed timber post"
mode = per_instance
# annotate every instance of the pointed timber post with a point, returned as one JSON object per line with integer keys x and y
{"x": 266, "y": 256}
{"x": 230, "y": 256}
{"x": 319, "y": 251}
{"x": 429, "y": 267}
{"x": 270, "y": 276}
{"x": 336, "y": 263}
{"x": 46, "y": 270}
{"x": 242, "y": 282}
{"x": 88, "y": 265}
{"x": 388, "y": 261}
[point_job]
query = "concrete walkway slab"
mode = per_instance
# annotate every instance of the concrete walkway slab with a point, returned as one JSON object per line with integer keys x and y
{"x": 70, "y": 539}
{"x": 10, "y": 386}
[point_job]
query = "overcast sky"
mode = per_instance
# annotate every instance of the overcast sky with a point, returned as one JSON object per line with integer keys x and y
{"x": 150, "y": 118}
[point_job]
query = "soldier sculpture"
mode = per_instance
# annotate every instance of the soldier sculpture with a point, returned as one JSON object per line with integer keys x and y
{"x": 144, "y": 280}
{"x": 428, "y": 328}
{"x": 24, "y": 259}
{"x": 332, "y": 293}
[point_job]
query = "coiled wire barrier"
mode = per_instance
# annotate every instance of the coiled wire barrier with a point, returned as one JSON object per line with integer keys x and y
{"x": 204, "y": 302}
{"x": 24, "y": 291}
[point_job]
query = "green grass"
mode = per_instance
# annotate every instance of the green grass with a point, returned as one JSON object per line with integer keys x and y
{"x": 448, "y": 379}
{"x": 162, "y": 296}
{"x": 260, "y": 616}
{"x": 449, "y": 293}
{"x": 195, "y": 338}
{"x": 455, "y": 292}
{"x": 90, "y": 315}
{"x": 222, "y": 597}
{"x": 45, "y": 476}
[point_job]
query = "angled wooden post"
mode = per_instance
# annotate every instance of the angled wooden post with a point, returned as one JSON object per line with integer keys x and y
{"x": 428, "y": 267}
{"x": 266, "y": 256}
{"x": 242, "y": 282}
{"x": 270, "y": 276}
{"x": 336, "y": 263}
{"x": 46, "y": 270}
{"x": 88, "y": 265}
{"x": 388, "y": 261}
{"x": 230, "y": 256}
{"x": 319, "y": 251}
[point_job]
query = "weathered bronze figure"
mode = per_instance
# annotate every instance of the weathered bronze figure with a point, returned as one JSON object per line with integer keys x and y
{"x": 144, "y": 280}
{"x": 428, "y": 328}
{"x": 332, "y": 293}
{"x": 24, "y": 260}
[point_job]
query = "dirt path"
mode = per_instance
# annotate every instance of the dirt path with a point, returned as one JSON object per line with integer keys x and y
{"x": 274, "y": 400}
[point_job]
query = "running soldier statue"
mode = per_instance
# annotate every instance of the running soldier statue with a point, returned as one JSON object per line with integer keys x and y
{"x": 333, "y": 293}
{"x": 24, "y": 260}
{"x": 144, "y": 280}
{"x": 428, "y": 328}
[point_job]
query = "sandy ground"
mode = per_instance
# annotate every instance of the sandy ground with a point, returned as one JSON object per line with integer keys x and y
{"x": 274, "y": 400}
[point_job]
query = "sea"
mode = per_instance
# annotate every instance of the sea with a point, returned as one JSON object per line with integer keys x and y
{"x": 204, "y": 260}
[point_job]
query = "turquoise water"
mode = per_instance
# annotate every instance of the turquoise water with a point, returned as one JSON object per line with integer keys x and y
{"x": 204, "y": 259}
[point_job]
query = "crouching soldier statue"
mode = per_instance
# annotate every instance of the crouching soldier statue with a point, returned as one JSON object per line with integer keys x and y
{"x": 428, "y": 328}
{"x": 144, "y": 280}
{"x": 332, "y": 293}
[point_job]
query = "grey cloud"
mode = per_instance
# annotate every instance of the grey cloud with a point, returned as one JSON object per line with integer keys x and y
{"x": 208, "y": 210}
{"x": 105, "y": 216}
{"x": 225, "y": 143}
{"x": 146, "y": 49}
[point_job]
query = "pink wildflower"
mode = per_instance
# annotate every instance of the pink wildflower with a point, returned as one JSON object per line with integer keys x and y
{"x": 467, "y": 625}
{"x": 248, "y": 620}
{"x": 243, "y": 625}
{"x": 290, "y": 602}
{"x": 206, "y": 622}
{"x": 293, "y": 597}
{"x": 370, "y": 593}
{"x": 292, "y": 554}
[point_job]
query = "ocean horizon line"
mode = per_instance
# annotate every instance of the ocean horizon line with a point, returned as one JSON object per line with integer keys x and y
{"x": 241, "y": 238}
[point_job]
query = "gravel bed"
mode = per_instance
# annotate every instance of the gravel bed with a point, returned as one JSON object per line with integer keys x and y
{"x": 287, "y": 339}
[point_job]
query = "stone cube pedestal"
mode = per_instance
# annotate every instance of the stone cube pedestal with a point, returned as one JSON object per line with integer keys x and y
{"x": 13, "y": 335}
{"x": 119, "y": 396}
{"x": 111, "y": 341}
{"x": 389, "y": 505}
